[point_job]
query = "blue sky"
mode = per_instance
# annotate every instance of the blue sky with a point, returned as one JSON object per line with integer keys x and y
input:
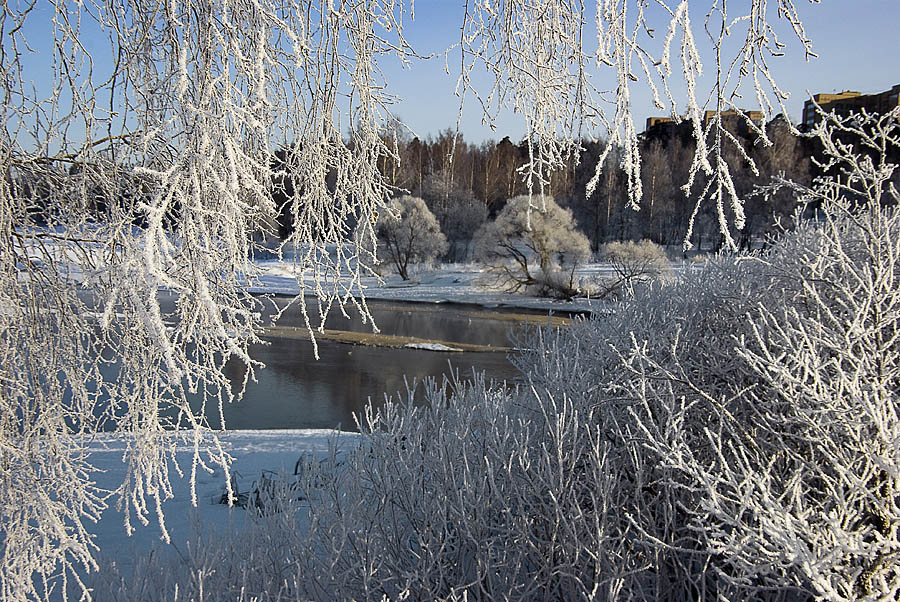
{"x": 856, "y": 41}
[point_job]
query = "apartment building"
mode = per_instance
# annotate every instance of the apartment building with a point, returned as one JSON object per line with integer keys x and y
{"x": 849, "y": 101}
{"x": 733, "y": 120}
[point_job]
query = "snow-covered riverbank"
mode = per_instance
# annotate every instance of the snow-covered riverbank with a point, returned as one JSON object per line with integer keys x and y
{"x": 448, "y": 283}
{"x": 254, "y": 452}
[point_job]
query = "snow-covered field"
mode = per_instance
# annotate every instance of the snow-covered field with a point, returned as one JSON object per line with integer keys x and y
{"x": 449, "y": 283}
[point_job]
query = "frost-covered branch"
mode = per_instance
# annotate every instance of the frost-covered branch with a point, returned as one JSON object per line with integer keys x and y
{"x": 133, "y": 192}
{"x": 154, "y": 171}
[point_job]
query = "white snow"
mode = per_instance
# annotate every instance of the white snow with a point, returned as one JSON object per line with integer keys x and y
{"x": 450, "y": 283}
{"x": 431, "y": 347}
{"x": 253, "y": 453}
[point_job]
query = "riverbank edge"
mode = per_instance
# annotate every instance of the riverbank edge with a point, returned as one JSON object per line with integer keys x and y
{"x": 528, "y": 316}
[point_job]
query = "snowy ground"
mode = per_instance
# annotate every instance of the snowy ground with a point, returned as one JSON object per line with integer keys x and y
{"x": 253, "y": 453}
{"x": 449, "y": 283}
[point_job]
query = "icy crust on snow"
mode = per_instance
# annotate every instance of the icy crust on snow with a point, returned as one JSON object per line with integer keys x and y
{"x": 431, "y": 347}
{"x": 253, "y": 451}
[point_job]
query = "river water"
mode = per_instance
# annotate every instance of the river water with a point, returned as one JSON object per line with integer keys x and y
{"x": 296, "y": 390}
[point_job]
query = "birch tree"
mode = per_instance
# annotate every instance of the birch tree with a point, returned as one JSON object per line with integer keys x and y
{"x": 175, "y": 137}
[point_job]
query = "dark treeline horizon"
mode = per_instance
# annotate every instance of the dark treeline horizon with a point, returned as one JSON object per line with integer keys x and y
{"x": 470, "y": 185}
{"x": 474, "y": 182}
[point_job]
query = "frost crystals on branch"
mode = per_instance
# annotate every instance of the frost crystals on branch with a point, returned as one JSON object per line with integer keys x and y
{"x": 536, "y": 54}
{"x": 154, "y": 171}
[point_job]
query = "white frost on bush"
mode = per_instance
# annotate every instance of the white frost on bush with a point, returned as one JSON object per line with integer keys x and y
{"x": 409, "y": 233}
{"x": 536, "y": 249}
{"x": 732, "y": 436}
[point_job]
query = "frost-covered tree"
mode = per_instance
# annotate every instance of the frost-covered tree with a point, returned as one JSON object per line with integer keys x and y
{"x": 633, "y": 262}
{"x": 173, "y": 137}
{"x": 529, "y": 245}
{"x": 750, "y": 408}
{"x": 410, "y": 233}
{"x": 153, "y": 170}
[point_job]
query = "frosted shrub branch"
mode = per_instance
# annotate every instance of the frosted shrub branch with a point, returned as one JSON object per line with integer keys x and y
{"x": 534, "y": 52}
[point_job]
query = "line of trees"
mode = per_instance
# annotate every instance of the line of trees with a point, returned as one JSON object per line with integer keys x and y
{"x": 463, "y": 184}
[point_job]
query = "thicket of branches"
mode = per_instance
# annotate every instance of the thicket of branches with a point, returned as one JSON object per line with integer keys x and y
{"x": 157, "y": 172}
{"x": 732, "y": 437}
{"x": 154, "y": 170}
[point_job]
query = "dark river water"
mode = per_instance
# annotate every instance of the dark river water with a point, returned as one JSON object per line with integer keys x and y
{"x": 296, "y": 390}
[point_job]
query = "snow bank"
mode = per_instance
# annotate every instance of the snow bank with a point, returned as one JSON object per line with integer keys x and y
{"x": 431, "y": 347}
{"x": 253, "y": 453}
{"x": 451, "y": 283}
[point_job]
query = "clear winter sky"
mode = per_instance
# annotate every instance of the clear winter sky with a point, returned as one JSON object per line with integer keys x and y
{"x": 856, "y": 40}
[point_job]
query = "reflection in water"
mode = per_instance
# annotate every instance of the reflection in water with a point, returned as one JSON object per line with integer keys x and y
{"x": 444, "y": 322}
{"x": 297, "y": 391}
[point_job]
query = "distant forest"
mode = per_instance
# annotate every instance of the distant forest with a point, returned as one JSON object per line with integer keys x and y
{"x": 471, "y": 185}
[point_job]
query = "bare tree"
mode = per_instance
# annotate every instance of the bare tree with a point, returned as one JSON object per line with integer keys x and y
{"x": 410, "y": 233}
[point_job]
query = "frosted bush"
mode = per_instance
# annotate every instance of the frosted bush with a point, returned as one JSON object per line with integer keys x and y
{"x": 410, "y": 233}
{"x": 754, "y": 399}
{"x": 482, "y": 493}
{"x": 632, "y": 262}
